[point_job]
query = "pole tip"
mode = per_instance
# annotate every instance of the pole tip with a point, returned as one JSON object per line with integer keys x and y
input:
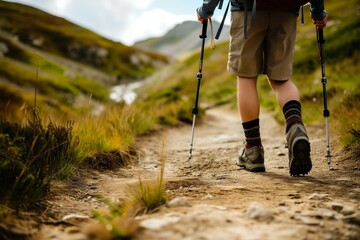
{"x": 329, "y": 161}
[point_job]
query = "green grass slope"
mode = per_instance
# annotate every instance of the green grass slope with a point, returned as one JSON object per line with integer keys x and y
{"x": 69, "y": 65}
{"x": 57, "y": 35}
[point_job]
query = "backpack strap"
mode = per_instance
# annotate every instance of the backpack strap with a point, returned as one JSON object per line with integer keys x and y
{"x": 246, "y": 12}
{"x": 221, "y": 3}
{"x": 223, "y": 20}
{"x": 302, "y": 14}
{"x": 253, "y": 13}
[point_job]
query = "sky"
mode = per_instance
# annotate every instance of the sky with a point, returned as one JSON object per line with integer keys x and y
{"x": 125, "y": 21}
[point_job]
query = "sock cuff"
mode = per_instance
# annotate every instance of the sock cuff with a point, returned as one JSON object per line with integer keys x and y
{"x": 292, "y": 104}
{"x": 251, "y": 124}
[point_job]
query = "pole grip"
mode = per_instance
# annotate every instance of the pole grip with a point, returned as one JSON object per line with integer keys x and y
{"x": 321, "y": 42}
{"x": 320, "y": 35}
{"x": 204, "y": 29}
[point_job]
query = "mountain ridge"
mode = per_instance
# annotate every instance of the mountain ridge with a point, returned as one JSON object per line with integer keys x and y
{"x": 182, "y": 39}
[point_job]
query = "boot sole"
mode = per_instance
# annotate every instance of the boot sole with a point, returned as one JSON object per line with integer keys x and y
{"x": 256, "y": 169}
{"x": 259, "y": 167}
{"x": 301, "y": 162}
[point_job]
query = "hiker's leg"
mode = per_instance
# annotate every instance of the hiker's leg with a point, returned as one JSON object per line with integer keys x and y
{"x": 248, "y": 104}
{"x": 285, "y": 91}
{"x": 251, "y": 157}
{"x": 288, "y": 97}
{"x": 248, "y": 101}
{"x": 280, "y": 48}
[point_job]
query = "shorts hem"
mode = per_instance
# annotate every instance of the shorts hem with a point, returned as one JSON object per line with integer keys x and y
{"x": 279, "y": 79}
{"x": 238, "y": 74}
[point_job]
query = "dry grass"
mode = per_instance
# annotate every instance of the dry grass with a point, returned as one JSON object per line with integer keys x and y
{"x": 119, "y": 220}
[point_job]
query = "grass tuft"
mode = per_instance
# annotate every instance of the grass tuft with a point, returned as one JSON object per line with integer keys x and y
{"x": 31, "y": 156}
{"x": 119, "y": 221}
{"x": 110, "y": 160}
{"x": 147, "y": 196}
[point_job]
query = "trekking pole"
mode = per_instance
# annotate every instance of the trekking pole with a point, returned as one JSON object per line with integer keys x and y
{"x": 326, "y": 113}
{"x": 195, "y": 109}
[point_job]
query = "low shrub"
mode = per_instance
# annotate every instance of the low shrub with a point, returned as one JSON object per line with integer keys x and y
{"x": 31, "y": 156}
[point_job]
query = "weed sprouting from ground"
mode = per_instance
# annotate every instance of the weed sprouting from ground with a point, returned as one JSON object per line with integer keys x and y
{"x": 147, "y": 196}
{"x": 143, "y": 197}
{"x": 111, "y": 224}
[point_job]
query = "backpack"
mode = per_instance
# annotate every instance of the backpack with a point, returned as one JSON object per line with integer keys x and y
{"x": 262, "y": 5}
{"x": 280, "y": 4}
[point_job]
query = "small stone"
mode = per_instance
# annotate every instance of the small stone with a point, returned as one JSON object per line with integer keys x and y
{"x": 258, "y": 212}
{"x": 220, "y": 177}
{"x": 309, "y": 213}
{"x": 318, "y": 196}
{"x": 221, "y": 208}
{"x": 336, "y": 206}
{"x": 347, "y": 210}
{"x": 325, "y": 213}
{"x": 179, "y": 202}
{"x": 74, "y": 216}
{"x": 208, "y": 196}
{"x": 157, "y": 223}
{"x": 282, "y": 209}
{"x": 309, "y": 221}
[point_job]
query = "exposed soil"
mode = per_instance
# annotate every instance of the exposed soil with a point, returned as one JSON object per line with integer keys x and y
{"x": 212, "y": 198}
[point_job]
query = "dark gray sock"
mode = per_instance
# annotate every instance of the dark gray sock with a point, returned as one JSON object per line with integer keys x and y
{"x": 252, "y": 133}
{"x": 292, "y": 113}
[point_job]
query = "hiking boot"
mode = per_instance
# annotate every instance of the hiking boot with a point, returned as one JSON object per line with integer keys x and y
{"x": 252, "y": 159}
{"x": 299, "y": 150}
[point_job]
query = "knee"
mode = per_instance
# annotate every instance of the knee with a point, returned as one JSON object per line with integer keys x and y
{"x": 275, "y": 84}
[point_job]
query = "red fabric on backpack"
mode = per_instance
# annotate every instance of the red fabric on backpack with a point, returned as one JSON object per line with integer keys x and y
{"x": 279, "y": 4}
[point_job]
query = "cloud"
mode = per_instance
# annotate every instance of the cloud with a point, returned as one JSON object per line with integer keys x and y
{"x": 126, "y": 21}
{"x": 106, "y": 17}
{"x": 61, "y": 5}
{"x": 150, "y": 23}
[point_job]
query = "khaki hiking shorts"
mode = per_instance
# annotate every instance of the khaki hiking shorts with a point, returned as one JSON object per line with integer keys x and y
{"x": 269, "y": 47}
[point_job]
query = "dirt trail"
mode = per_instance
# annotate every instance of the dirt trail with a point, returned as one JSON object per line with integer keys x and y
{"x": 213, "y": 199}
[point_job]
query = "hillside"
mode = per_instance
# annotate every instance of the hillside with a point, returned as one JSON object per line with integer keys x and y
{"x": 181, "y": 39}
{"x": 74, "y": 64}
